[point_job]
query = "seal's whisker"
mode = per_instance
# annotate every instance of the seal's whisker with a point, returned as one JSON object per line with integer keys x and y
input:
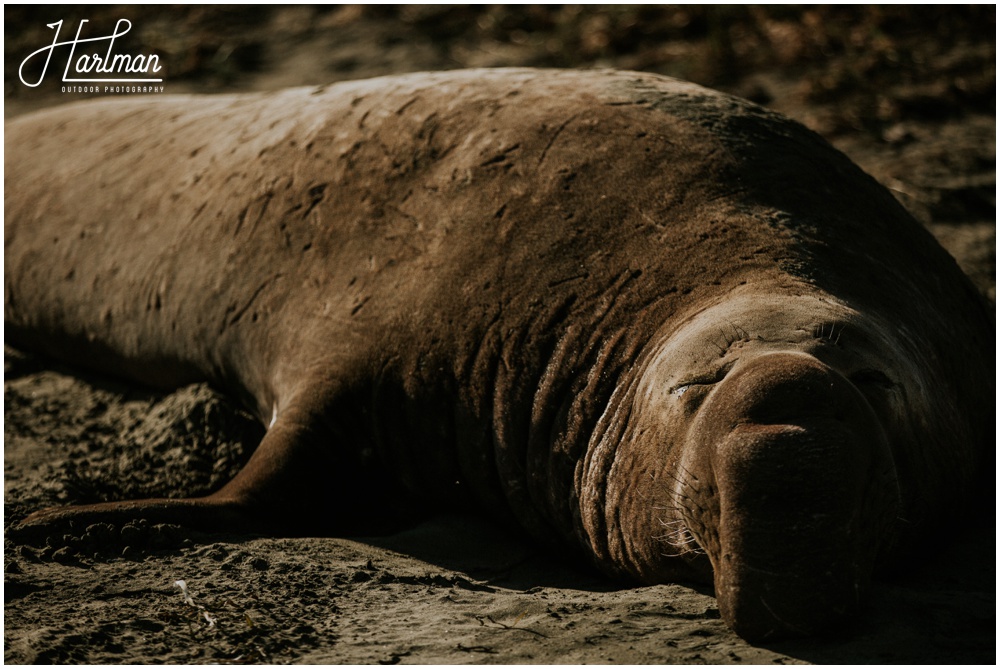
{"x": 685, "y": 483}
{"x": 669, "y": 523}
{"x": 680, "y": 538}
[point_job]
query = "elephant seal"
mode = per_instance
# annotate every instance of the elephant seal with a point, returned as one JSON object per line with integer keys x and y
{"x": 635, "y": 316}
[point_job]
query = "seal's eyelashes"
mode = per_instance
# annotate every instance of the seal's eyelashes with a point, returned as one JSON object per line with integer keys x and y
{"x": 728, "y": 336}
{"x": 828, "y": 332}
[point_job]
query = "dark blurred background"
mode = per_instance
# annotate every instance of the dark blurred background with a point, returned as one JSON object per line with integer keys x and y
{"x": 857, "y": 54}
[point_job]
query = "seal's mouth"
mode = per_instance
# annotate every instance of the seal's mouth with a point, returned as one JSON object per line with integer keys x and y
{"x": 763, "y": 605}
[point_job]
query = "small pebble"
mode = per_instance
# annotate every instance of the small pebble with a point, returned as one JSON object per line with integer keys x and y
{"x": 63, "y": 555}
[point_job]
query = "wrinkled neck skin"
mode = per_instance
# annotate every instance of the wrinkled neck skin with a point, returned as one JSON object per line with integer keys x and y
{"x": 753, "y": 452}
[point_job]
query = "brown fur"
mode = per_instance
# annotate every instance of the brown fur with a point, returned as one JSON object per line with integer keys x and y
{"x": 492, "y": 285}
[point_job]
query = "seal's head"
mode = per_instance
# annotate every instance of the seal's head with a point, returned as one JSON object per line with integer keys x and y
{"x": 758, "y": 449}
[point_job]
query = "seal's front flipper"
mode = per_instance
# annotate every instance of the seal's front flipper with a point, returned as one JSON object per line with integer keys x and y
{"x": 301, "y": 479}
{"x": 202, "y": 513}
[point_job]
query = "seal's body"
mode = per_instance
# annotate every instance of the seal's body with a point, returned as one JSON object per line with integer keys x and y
{"x": 656, "y": 322}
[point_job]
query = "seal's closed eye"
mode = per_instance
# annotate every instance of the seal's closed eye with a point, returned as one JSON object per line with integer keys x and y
{"x": 703, "y": 380}
{"x": 872, "y": 378}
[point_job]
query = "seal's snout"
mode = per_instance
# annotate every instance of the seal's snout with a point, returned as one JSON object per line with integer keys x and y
{"x": 791, "y": 388}
{"x": 795, "y": 451}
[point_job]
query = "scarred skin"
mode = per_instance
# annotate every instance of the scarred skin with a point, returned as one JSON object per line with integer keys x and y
{"x": 631, "y": 315}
